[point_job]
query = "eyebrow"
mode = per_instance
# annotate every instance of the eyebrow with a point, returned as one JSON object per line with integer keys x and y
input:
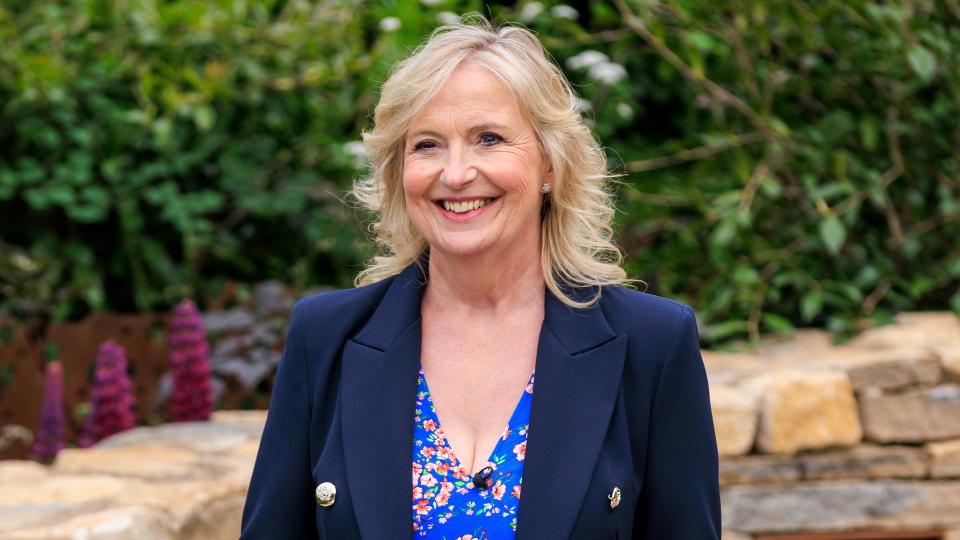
{"x": 486, "y": 126}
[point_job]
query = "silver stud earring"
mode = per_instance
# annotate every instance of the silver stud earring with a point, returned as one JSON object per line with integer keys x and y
{"x": 546, "y": 187}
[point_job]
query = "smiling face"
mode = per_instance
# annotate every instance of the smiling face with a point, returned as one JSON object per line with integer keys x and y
{"x": 473, "y": 170}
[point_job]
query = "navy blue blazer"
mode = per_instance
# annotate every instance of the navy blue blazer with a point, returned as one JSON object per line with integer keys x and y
{"x": 621, "y": 400}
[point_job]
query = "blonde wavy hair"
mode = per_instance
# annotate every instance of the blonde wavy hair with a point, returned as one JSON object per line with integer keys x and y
{"x": 576, "y": 233}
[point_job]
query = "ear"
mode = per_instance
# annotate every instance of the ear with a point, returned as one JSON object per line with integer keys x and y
{"x": 548, "y": 174}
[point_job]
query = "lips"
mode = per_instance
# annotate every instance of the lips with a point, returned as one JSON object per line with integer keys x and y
{"x": 464, "y": 209}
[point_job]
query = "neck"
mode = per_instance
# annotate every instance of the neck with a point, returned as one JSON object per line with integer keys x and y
{"x": 487, "y": 282}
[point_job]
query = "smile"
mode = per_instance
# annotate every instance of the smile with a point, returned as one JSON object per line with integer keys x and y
{"x": 462, "y": 207}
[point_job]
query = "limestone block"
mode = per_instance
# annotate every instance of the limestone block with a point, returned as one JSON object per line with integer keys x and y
{"x": 21, "y": 471}
{"x": 206, "y": 437}
{"x": 147, "y": 462}
{"x": 31, "y": 502}
{"x": 120, "y": 523}
{"x": 913, "y": 416}
{"x": 920, "y": 368}
{"x": 759, "y": 469}
{"x": 892, "y": 368}
{"x": 216, "y": 519}
{"x": 804, "y": 343}
{"x": 944, "y": 459}
{"x": 832, "y": 506}
{"x": 804, "y": 410}
{"x": 918, "y": 330}
{"x": 950, "y": 357}
{"x": 735, "y": 419}
{"x": 249, "y": 418}
{"x": 865, "y": 461}
{"x": 731, "y": 368}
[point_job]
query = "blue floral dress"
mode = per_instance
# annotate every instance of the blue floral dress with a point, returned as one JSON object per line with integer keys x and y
{"x": 446, "y": 504}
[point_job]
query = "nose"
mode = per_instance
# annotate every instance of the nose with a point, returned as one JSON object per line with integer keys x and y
{"x": 458, "y": 172}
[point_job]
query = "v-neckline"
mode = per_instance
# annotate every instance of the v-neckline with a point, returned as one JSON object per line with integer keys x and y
{"x": 500, "y": 440}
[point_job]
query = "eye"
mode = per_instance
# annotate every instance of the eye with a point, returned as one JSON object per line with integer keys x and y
{"x": 489, "y": 139}
{"x": 425, "y": 144}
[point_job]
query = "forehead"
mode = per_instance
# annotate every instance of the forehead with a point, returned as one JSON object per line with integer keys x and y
{"x": 472, "y": 92}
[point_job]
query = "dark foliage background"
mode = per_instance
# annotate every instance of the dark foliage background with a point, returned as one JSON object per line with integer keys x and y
{"x": 788, "y": 162}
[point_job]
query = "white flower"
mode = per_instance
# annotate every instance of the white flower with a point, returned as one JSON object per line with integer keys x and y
{"x": 357, "y": 150}
{"x": 624, "y": 110}
{"x": 430, "y": 2}
{"x": 448, "y": 17}
{"x": 607, "y": 72}
{"x": 389, "y": 24}
{"x": 530, "y": 11}
{"x": 586, "y": 59}
{"x": 563, "y": 11}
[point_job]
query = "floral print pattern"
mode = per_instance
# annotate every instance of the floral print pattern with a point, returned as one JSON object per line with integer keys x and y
{"x": 446, "y": 504}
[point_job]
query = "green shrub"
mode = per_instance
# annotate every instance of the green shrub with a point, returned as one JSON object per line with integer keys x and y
{"x": 789, "y": 163}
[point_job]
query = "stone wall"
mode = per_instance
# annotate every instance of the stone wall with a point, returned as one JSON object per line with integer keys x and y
{"x": 813, "y": 439}
{"x": 860, "y": 437}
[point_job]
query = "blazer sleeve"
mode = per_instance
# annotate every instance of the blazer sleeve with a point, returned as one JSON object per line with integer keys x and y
{"x": 280, "y": 501}
{"x": 680, "y": 497}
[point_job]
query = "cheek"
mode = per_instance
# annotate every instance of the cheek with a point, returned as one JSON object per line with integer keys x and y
{"x": 523, "y": 183}
{"x": 415, "y": 182}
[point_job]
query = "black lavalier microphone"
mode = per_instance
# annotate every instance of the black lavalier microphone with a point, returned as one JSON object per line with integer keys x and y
{"x": 480, "y": 479}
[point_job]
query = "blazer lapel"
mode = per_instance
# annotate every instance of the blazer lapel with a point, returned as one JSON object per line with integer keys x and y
{"x": 579, "y": 365}
{"x": 379, "y": 384}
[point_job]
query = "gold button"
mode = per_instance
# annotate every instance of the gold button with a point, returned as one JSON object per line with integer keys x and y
{"x": 614, "y": 498}
{"x": 326, "y": 494}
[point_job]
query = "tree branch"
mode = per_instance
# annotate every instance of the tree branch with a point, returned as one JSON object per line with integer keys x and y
{"x": 694, "y": 154}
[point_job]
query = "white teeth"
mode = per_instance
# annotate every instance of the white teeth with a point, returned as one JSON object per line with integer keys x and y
{"x": 459, "y": 207}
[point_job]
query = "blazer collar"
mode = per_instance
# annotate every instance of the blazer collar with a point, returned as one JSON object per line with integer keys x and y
{"x": 578, "y": 368}
{"x": 577, "y": 330}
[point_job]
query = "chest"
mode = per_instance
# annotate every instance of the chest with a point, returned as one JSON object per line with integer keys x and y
{"x": 477, "y": 373}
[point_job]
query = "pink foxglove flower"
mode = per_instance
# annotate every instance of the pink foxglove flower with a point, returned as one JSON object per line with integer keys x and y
{"x": 189, "y": 355}
{"x": 111, "y": 396}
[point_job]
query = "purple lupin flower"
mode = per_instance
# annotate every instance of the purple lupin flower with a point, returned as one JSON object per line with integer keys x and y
{"x": 50, "y": 435}
{"x": 111, "y": 396}
{"x": 189, "y": 355}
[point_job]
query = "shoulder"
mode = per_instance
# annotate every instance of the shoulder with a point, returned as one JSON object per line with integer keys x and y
{"x": 657, "y": 328}
{"x": 326, "y": 315}
{"x": 629, "y": 311}
{"x": 342, "y": 301}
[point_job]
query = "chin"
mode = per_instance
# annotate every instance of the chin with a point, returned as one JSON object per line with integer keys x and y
{"x": 462, "y": 247}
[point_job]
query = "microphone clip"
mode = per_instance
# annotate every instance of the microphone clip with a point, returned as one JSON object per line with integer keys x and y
{"x": 481, "y": 480}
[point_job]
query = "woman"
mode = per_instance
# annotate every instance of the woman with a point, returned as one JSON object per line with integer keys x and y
{"x": 559, "y": 405}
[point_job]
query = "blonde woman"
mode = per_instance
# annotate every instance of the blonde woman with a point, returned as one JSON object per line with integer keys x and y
{"x": 490, "y": 363}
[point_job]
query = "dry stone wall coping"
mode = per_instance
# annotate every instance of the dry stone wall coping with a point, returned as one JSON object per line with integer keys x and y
{"x": 175, "y": 481}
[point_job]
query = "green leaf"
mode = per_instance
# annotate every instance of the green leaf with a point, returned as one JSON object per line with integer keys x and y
{"x": 811, "y": 305}
{"x": 833, "y": 234}
{"x": 723, "y": 233}
{"x": 724, "y": 329}
{"x": 777, "y": 323}
{"x": 923, "y": 62}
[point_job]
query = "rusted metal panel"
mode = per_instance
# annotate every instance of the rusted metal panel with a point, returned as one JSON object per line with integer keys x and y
{"x": 144, "y": 337}
{"x": 21, "y": 383}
